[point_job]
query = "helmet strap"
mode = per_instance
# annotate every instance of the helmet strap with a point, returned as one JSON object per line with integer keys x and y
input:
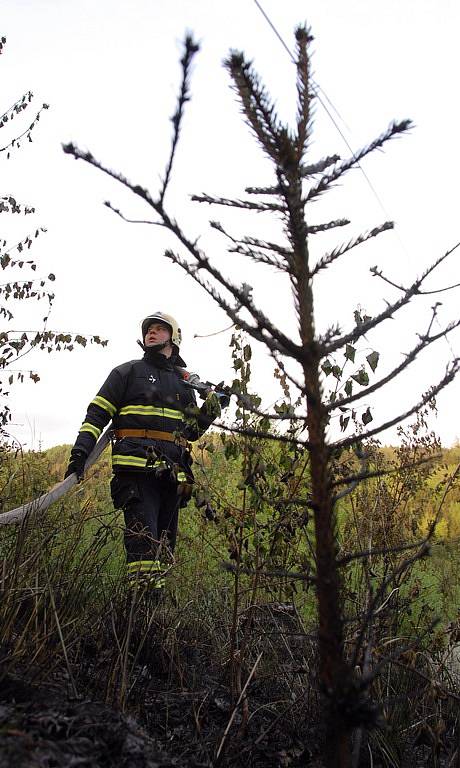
{"x": 153, "y": 347}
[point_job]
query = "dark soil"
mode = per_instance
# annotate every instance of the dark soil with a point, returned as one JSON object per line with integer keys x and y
{"x": 177, "y": 713}
{"x": 179, "y": 710}
{"x": 42, "y": 725}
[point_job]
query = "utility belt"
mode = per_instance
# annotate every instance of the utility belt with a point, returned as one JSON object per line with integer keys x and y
{"x": 153, "y": 434}
{"x": 163, "y": 468}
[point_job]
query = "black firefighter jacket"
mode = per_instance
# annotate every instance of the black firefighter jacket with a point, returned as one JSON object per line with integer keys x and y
{"x": 145, "y": 394}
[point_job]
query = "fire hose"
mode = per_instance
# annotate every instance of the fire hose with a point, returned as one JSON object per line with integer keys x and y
{"x": 60, "y": 489}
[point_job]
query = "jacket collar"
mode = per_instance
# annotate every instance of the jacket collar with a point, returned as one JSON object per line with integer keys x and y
{"x": 167, "y": 363}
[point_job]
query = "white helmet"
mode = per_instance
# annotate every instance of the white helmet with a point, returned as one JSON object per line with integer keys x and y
{"x": 169, "y": 320}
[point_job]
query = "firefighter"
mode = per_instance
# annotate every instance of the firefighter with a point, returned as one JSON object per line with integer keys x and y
{"x": 154, "y": 417}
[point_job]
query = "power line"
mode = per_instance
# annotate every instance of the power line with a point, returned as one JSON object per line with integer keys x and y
{"x": 318, "y": 90}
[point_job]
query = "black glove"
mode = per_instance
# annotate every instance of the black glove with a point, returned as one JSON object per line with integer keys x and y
{"x": 224, "y": 400}
{"x": 76, "y": 464}
{"x": 223, "y": 394}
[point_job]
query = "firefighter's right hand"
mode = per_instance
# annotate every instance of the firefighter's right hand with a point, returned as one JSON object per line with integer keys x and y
{"x": 76, "y": 464}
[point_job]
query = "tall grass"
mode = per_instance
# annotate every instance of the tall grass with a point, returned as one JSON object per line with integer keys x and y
{"x": 240, "y": 636}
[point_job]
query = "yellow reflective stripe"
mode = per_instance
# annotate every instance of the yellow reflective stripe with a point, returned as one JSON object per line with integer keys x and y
{"x": 136, "y": 461}
{"x": 144, "y": 566}
{"x": 87, "y": 427}
{"x": 145, "y": 573}
{"x": 105, "y": 404}
{"x": 128, "y": 461}
{"x": 169, "y": 413}
{"x": 150, "y": 410}
{"x": 147, "y": 410}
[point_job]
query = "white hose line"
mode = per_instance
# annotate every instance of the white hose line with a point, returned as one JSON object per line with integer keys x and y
{"x": 58, "y": 490}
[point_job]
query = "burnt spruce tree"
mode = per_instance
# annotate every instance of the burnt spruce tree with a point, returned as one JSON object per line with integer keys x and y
{"x": 297, "y": 183}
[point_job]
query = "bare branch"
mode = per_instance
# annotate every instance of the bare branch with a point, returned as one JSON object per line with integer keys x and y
{"x": 304, "y": 94}
{"x": 363, "y": 328}
{"x": 329, "y": 258}
{"x": 263, "y": 435}
{"x": 382, "y": 472}
{"x": 274, "y": 574}
{"x": 260, "y": 332}
{"x": 264, "y": 329}
{"x": 78, "y": 154}
{"x": 404, "y": 566}
{"x": 191, "y": 48}
{"x": 109, "y": 205}
{"x": 263, "y": 190}
{"x": 376, "y": 272}
{"x": 245, "y": 204}
{"x": 394, "y": 129}
{"x": 282, "y": 250}
{"x": 259, "y": 257}
{"x": 320, "y": 166}
{"x": 259, "y": 110}
{"x": 346, "y": 559}
{"x": 312, "y": 229}
{"x": 240, "y": 247}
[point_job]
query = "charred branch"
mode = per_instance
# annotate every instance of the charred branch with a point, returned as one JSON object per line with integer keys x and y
{"x": 329, "y": 258}
{"x": 394, "y": 129}
{"x": 264, "y": 330}
{"x": 319, "y": 167}
{"x": 304, "y": 96}
{"x": 274, "y": 574}
{"x": 190, "y": 49}
{"x": 259, "y": 111}
{"x": 245, "y": 204}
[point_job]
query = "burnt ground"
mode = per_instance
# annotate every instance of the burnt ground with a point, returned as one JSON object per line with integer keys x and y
{"x": 175, "y": 712}
{"x": 44, "y": 725}
{"x": 177, "y": 708}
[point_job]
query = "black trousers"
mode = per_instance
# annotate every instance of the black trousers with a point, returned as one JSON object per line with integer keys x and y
{"x": 151, "y": 511}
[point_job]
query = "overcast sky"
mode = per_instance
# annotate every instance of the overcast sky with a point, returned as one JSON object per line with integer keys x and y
{"x": 110, "y": 72}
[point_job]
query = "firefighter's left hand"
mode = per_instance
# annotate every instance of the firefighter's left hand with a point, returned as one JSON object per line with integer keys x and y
{"x": 76, "y": 464}
{"x": 223, "y": 394}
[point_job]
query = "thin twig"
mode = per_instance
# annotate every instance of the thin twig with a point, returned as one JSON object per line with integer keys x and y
{"x": 235, "y": 708}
